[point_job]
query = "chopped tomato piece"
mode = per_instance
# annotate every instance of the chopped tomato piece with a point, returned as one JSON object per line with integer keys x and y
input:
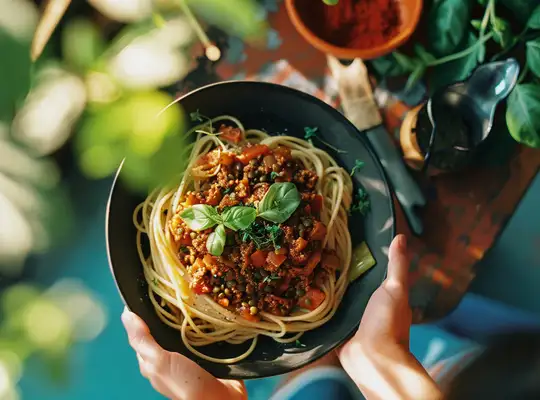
{"x": 251, "y": 152}
{"x": 330, "y": 261}
{"x": 312, "y": 299}
{"x": 214, "y": 197}
{"x": 226, "y": 159}
{"x": 318, "y": 232}
{"x": 191, "y": 199}
{"x": 300, "y": 244}
{"x": 230, "y": 134}
{"x": 202, "y": 288}
{"x": 185, "y": 240}
{"x": 276, "y": 259}
{"x": 209, "y": 260}
{"x": 223, "y": 302}
{"x": 312, "y": 262}
{"x": 317, "y": 204}
{"x": 258, "y": 259}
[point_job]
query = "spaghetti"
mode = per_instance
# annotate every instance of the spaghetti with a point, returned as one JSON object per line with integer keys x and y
{"x": 267, "y": 276}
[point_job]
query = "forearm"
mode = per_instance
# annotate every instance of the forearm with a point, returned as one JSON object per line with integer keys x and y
{"x": 388, "y": 373}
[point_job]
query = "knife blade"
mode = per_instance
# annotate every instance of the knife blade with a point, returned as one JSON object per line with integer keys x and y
{"x": 360, "y": 108}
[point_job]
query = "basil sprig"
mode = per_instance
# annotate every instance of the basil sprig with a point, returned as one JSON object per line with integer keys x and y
{"x": 279, "y": 203}
{"x": 201, "y": 216}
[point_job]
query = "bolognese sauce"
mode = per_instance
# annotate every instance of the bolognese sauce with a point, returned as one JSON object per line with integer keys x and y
{"x": 268, "y": 267}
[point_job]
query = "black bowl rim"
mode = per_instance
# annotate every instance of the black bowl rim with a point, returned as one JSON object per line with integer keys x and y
{"x": 345, "y": 120}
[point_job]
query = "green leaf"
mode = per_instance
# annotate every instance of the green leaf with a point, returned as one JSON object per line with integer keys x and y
{"x": 407, "y": 63}
{"x": 216, "y": 241}
{"x": 522, "y": 9}
{"x": 200, "y": 217}
{"x": 238, "y": 17}
{"x": 279, "y": 203}
{"x": 417, "y": 74}
{"x": 423, "y": 54}
{"x": 502, "y": 33}
{"x": 154, "y": 150}
{"x": 448, "y": 24}
{"x": 476, "y": 24}
{"x": 534, "y": 20}
{"x": 236, "y": 218}
{"x": 523, "y": 114}
{"x": 82, "y": 43}
{"x": 533, "y": 56}
{"x": 455, "y": 71}
{"x": 387, "y": 66}
{"x": 330, "y": 2}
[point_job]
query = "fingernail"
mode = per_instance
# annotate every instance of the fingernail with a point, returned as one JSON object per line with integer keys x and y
{"x": 402, "y": 242}
{"x": 127, "y": 316}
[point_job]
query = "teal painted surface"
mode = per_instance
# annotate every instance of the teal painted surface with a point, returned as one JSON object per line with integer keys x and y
{"x": 510, "y": 272}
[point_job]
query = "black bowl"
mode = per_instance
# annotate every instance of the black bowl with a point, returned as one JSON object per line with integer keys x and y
{"x": 275, "y": 109}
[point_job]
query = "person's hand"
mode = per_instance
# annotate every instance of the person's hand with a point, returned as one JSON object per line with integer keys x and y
{"x": 377, "y": 358}
{"x": 172, "y": 374}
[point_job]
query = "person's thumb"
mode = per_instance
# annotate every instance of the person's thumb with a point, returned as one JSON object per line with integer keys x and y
{"x": 139, "y": 337}
{"x": 398, "y": 265}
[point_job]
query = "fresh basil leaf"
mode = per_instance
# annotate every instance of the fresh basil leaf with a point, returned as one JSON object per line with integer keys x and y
{"x": 534, "y": 20}
{"x": 281, "y": 200}
{"x": 448, "y": 24}
{"x": 523, "y": 114}
{"x": 476, "y": 24}
{"x": 423, "y": 54}
{"x": 445, "y": 74}
{"x": 502, "y": 33}
{"x": 407, "y": 63}
{"x": 417, "y": 74}
{"x": 200, "y": 217}
{"x": 216, "y": 241}
{"x": 239, "y": 217}
{"x": 387, "y": 66}
{"x": 522, "y": 9}
{"x": 533, "y": 56}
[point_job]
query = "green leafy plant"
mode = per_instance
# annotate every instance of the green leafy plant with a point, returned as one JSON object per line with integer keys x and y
{"x": 457, "y": 45}
{"x": 262, "y": 235}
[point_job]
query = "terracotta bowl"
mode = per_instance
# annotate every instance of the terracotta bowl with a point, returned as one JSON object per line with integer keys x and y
{"x": 409, "y": 13}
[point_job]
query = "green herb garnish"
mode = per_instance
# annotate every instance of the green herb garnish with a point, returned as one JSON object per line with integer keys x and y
{"x": 154, "y": 281}
{"x": 280, "y": 202}
{"x": 228, "y": 190}
{"x": 263, "y": 235}
{"x": 310, "y": 133}
{"x": 362, "y": 203}
{"x": 273, "y": 175}
{"x": 298, "y": 343}
{"x": 358, "y": 165}
{"x": 196, "y": 116}
{"x": 216, "y": 241}
{"x": 184, "y": 249}
{"x": 201, "y": 216}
